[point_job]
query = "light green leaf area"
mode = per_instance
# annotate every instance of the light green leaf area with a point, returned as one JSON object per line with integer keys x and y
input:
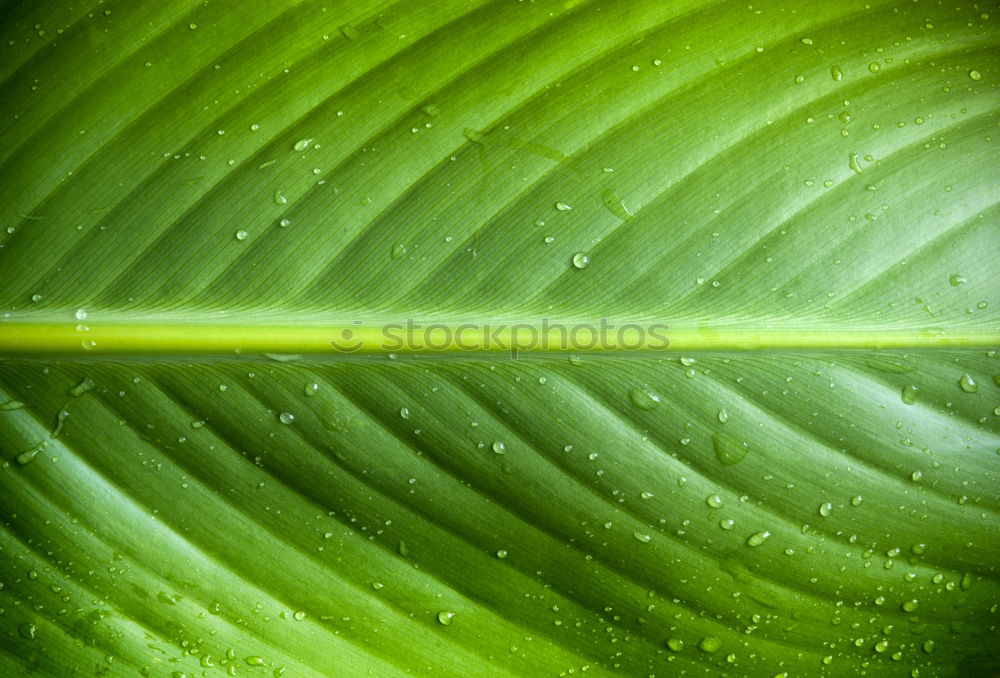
{"x": 200, "y": 202}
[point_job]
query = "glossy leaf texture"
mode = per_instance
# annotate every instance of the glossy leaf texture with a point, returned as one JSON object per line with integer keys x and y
{"x": 821, "y": 179}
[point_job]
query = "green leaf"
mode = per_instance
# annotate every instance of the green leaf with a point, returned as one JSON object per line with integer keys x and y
{"x": 500, "y": 339}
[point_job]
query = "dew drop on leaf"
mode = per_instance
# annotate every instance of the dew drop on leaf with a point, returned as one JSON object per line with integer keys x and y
{"x": 975, "y": 75}
{"x": 499, "y": 447}
{"x": 581, "y": 260}
{"x": 310, "y": 390}
{"x": 710, "y": 644}
{"x": 643, "y": 537}
{"x": 758, "y": 538}
{"x": 254, "y": 660}
{"x": 563, "y": 207}
{"x": 836, "y": 73}
{"x": 968, "y": 384}
{"x": 714, "y": 501}
{"x": 302, "y": 144}
{"x": 825, "y": 509}
{"x": 728, "y": 451}
{"x": 445, "y": 617}
{"x": 83, "y": 387}
{"x": 241, "y": 235}
{"x": 644, "y": 398}
{"x": 286, "y": 418}
{"x": 909, "y": 605}
{"x": 675, "y": 644}
{"x": 909, "y": 394}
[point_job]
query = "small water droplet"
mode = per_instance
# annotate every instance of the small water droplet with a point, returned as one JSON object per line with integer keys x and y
{"x": 836, "y": 73}
{"x": 286, "y": 418}
{"x": 580, "y": 260}
{"x": 241, "y": 235}
{"x": 27, "y": 631}
{"x": 975, "y": 75}
{"x": 910, "y": 393}
{"x": 727, "y": 523}
{"x": 854, "y": 163}
{"x": 279, "y": 198}
{"x": 302, "y": 144}
{"x": 874, "y": 67}
{"x": 856, "y": 500}
{"x": 714, "y": 500}
{"x": 299, "y": 615}
{"x": 968, "y": 384}
{"x": 502, "y": 554}
{"x": 398, "y": 250}
{"x": 310, "y": 390}
{"x": 909, "y": 605}
{"x": 675, "y": 644}
{"x": 36, "y": 297}
{"x": 643, "y": 537}
{"x": 499, "y": 447}
{"x": 916, "y": 476}
{"x": 445, "y": 617}
{"x": 758, "y": 538}
{"x": 563, "y": 207}
{"x": 825, "y": 509}
{"x": 404, "y": 412}
{"x": 254, "y": 660}
{"x": 285, "y": 222}
{"x": 80, "y": 314}
{"x": 723, "y": 416}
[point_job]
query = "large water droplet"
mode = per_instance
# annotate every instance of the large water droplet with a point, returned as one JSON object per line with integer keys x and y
{"x": 968, "y": 384}
{"x": 910, "y": 393}
{"x": 710, "y": 644}
{"x": 499, "y": 447}
{"x": 445, "y": 617}
{"x": 825, "y": 509}
{"x": 714, "y": 500}
{"x": 675, "y": 644}
{"x": 581, "y": 260}
{"x": 644, "y": 398}
{"x": 758, "y": 538}
{"x": 975, "y": 75}
{"x": 286, "y": 418}
{"x": 302, "y": 144}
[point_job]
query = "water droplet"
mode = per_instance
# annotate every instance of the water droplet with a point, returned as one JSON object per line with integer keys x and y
{"x": 499, "y": 447}
{"x": 643, "y": 537}
{"x": 825, "y": 509}
{"x": 310, "y": 390}
{"x": 398, "y": 250}
{"x": 241, "y": 235}
{"x": 854, "y": 163}
{"x": 83, "y": 387}
{"x": 723, "y": 416}
{"x": 36, "y": 297}
{"x": 881, "y": 646}
{"x": 758, "y": 538}
{"x": 966, "y": 582}
{"x": 975, "y": 75}
{"x": 286, "y": 418}
{"x": 644, "y": 398}
{"x": 28, "y": 456}
{"x": 714, "y": 500}
{"x": 968, "y": 384}
{"x": 856, "y": 500}
{"x": 80, "y": 314}
{"x": 806, "y": 41}
{"x": 916, "y": 476}
{"x": 254, "y": 660}
{"x": 836, "y": 73}
{"x": 193, "y": 26}
{"x": 727, "y": 523}
{"x": 445, "y": 617}
{"x": 675, "y": 644}
{"x": 27, "y": 631}
{"x": 909, "y": 605}
{"x": 285, "y": 222}
{"x": 874, "y": 67}
{"x": 563, "y": 207}
{"x": 404, "y": 412}
{"x": 728, "y": 451}
{"x": 710, "y": 644}
{"x": 580, "y": 260}
{"x": 928, "y": 646}
{"x": 279, "y": 198}
{"x": 910, "y": 393}
{"x": 501, "y": 554}
{"x": 299, "y": 615}
{"x": 302, "y": 144}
